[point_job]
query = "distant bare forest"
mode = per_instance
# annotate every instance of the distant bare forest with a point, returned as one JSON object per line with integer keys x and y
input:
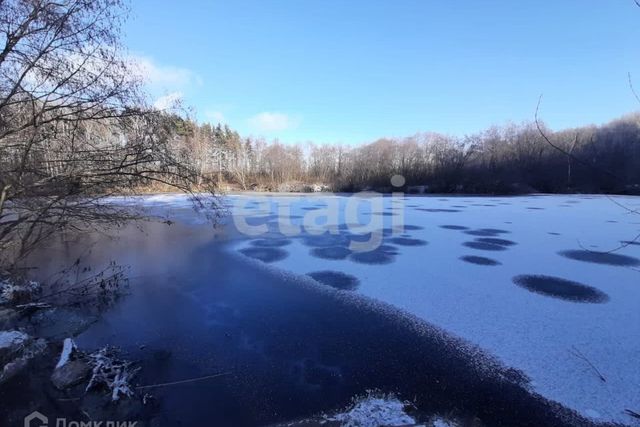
{"x": 75, "y": 126}
{"x": 515, "y": 158}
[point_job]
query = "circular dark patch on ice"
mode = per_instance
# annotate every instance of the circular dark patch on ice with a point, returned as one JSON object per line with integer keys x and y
{"x": 561, "y": 288}
{"x": 351, "y": 227}
{"x": 336, "y": 279}
{"x": 413, "y": 227}
{"x": 601, "y": 258}
{"x": 496, "y": 241}
{"x": 266, "y": 254}
{"x": 484, "y": 246}
{"x": 390, "y": 232}
{"x": 454, "y": 227}
{"x": 332, "y": 252}
{"x": 437, "y": 210}
{"x": 486, "y": 232}
{"x": 310, "y": 208}
{"x": 384, "y": 254}
{"x": 361, "y": 237}
{"x": 479, "y": 260}
{"x": 553, "y": 233}
{"x": 387, "y": 232}
{"x": 270, "y": 243}
{"x": 384, "y": 213}
{"x": 325, "y": 240}
{"x": 388, "y": 249}
{"x": 407, "y": 241}
{"x": 533, "y": 208}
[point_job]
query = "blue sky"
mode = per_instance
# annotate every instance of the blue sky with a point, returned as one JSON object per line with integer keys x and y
{"x": 353, "y": 71}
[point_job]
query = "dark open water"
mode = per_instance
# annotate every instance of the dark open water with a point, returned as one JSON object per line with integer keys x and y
{"x": 292, "y": 348}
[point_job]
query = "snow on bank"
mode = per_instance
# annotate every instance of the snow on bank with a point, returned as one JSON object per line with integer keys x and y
{"x": 112, "y": 373}
{"x": 14, "y": 293}
{"x": 169, "y": 206}
{"x": 68, "y": 348}
{"x": 166, "y": 200}
{"x": 382, "y": 411}
{"x": 560, "y": 344}
{"x": 16, "y": 350}
{"x": 372, "y": 411}
{"x": 12, "y": 339}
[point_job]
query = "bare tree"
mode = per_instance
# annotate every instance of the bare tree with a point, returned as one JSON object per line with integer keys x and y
{"x": 73, "y": 123}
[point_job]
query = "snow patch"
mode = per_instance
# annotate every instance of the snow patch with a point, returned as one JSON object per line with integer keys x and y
{"x": 374, "y": 411}
{"x": 16, "y": 350}
{"x": 112, "y": 373}
{"x": 68, "y": 348}
{"x": 13, "y": 293}
{"x": 11, "y": 339}
{"x": 439, "y": 422}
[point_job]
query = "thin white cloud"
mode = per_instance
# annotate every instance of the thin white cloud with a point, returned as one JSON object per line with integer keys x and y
{"x": 164, "y": 77}
{"x": 169, "y": 101}
{"x": 273, "y": 122}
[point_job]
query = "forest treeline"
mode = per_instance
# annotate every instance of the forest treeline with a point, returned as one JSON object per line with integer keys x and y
{"x": 515, "y": 158}
{"x": 76, "y": 126}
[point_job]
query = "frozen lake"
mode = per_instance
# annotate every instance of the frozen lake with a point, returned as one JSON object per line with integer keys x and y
{"x": 462, "y": 263}
{"x": 473, "y": 304}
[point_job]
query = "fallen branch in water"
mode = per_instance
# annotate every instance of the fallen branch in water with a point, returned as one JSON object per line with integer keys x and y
{"x": 112, "y": 373}
{"x": 577, "y": 353}
{"x": 190, "y": 380}
{"x": 143, "y": 387}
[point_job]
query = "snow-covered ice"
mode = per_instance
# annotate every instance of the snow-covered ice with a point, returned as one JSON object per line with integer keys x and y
{"x": 177, "y": 207}
{"x": 454, "y": 266}
{"x": 565, "y": 347}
